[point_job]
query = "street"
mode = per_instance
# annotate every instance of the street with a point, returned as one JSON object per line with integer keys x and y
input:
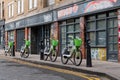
{"x": 10, "y": 70}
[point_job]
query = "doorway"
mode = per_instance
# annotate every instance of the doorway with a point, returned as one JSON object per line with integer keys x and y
{"x": 39, "y": 34}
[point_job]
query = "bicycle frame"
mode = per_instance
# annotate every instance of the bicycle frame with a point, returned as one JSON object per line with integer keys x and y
{"x": 50, "y": 52}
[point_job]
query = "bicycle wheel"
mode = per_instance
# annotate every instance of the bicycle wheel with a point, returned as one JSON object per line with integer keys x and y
{"x": 5, "y": 53}
{"x": 21, "y": 54}
{"x": 10, "y": 52}
{"x": 64, "y": 59}
{"x": 26, "y": 53}
{"x": 77, "y": 58}
{"x": 53, "y": 55}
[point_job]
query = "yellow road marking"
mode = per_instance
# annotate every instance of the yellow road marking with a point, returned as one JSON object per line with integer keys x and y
{"x": 54, "y": 69}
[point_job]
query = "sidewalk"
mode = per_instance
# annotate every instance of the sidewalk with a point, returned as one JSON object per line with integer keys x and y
{"x": 103, "y": 68}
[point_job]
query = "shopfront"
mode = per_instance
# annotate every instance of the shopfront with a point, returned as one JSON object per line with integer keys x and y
{"x": 40, "y": 31}
{"x": 40, "y": 34}
{"x": 102, "y": 30}
{"x": 94, "y": 20}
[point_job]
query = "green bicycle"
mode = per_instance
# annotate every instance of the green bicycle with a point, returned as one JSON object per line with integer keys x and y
{"x": 8, "y": 49}
{"x": 72, "y": 51}
{"x": 25, "y": 51}
{"x": 51, "y": 52}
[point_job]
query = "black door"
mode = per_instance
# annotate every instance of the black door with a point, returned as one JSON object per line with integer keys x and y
{"x": 20, "y": 39}
{"x": 34, "y": 40}
{"x": 43, "y": 35}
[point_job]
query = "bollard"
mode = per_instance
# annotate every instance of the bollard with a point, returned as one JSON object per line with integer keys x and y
{"x": 42, "y": 51}
{"x": 88, "y": 60}
{"x": 13, "y": 50}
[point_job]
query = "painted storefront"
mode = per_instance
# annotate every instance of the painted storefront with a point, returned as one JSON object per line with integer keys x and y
{"x": 97, "y": 19}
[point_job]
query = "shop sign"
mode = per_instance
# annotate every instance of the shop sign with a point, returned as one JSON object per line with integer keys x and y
{"x": 47, "y": 17}
{"x": 68, "y": 11}
{"x": 9, "y": 26}
{"x": 99, "y": 4}
{"x": 20, "y": 23}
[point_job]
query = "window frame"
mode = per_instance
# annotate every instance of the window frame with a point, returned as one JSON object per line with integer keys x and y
{"x": 20, "y": 6}
{"x": 50, "y": 2}
{"x": 32, "y": 4}
{"x": 10, "y": 9}
{"x": 95, "y": 18}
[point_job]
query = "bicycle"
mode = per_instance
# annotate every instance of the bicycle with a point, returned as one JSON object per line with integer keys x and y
{"x": 25, "y": 51}
{"x": 51, "y": 51}
{"x": 8, "y": 49}
{"x": 72, "y": 51}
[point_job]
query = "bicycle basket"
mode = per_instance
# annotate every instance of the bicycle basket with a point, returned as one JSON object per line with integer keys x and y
{"x": 10, "y": 44}
{"x": 27, "y": 43}
{"x": 77, "y": 42}
{"x": 54, "y": 42}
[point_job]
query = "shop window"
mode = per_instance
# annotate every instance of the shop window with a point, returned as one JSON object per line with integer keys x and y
{"x": 116, "y": 47}
{"x": 77, "y": 20}
{"x": 101, "y": 36}
{"x": 69, "y": 28}
{"x": 101, "y": 15}
{"x": 77, "y": 27}
{"x": 91, "y": 17}
{"x": 11, "y": 36}
{"x": 110, "y": 23}
{"x": 63, "y": 23}
{"x": 112, "y": 13}
{"x": 115, "y": 39}
{"x": 91, "y": 25}
{"x": 101, "y": 24}
{"x": 92, "y": 38}
{"x": 110, "y": 47}
{"x": 70, "y": 21}
{"x": 110, "y": 39}
{"x": 111, "y": 31}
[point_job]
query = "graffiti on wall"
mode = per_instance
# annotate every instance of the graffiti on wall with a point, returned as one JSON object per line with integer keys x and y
{"x": 99, "y": 4}
{"x": 98, "y": 53}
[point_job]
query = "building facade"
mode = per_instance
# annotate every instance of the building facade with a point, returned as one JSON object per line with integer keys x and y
{"x": 2, "y": 24}
{"x": 39, "y": 20}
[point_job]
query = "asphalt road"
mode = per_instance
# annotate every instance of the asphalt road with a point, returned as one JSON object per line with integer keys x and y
{"x": 20, "y": 70}
{"x": 14, "y": 71}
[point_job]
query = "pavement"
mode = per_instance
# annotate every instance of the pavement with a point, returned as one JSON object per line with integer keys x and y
{"x": 102, "y": 68}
